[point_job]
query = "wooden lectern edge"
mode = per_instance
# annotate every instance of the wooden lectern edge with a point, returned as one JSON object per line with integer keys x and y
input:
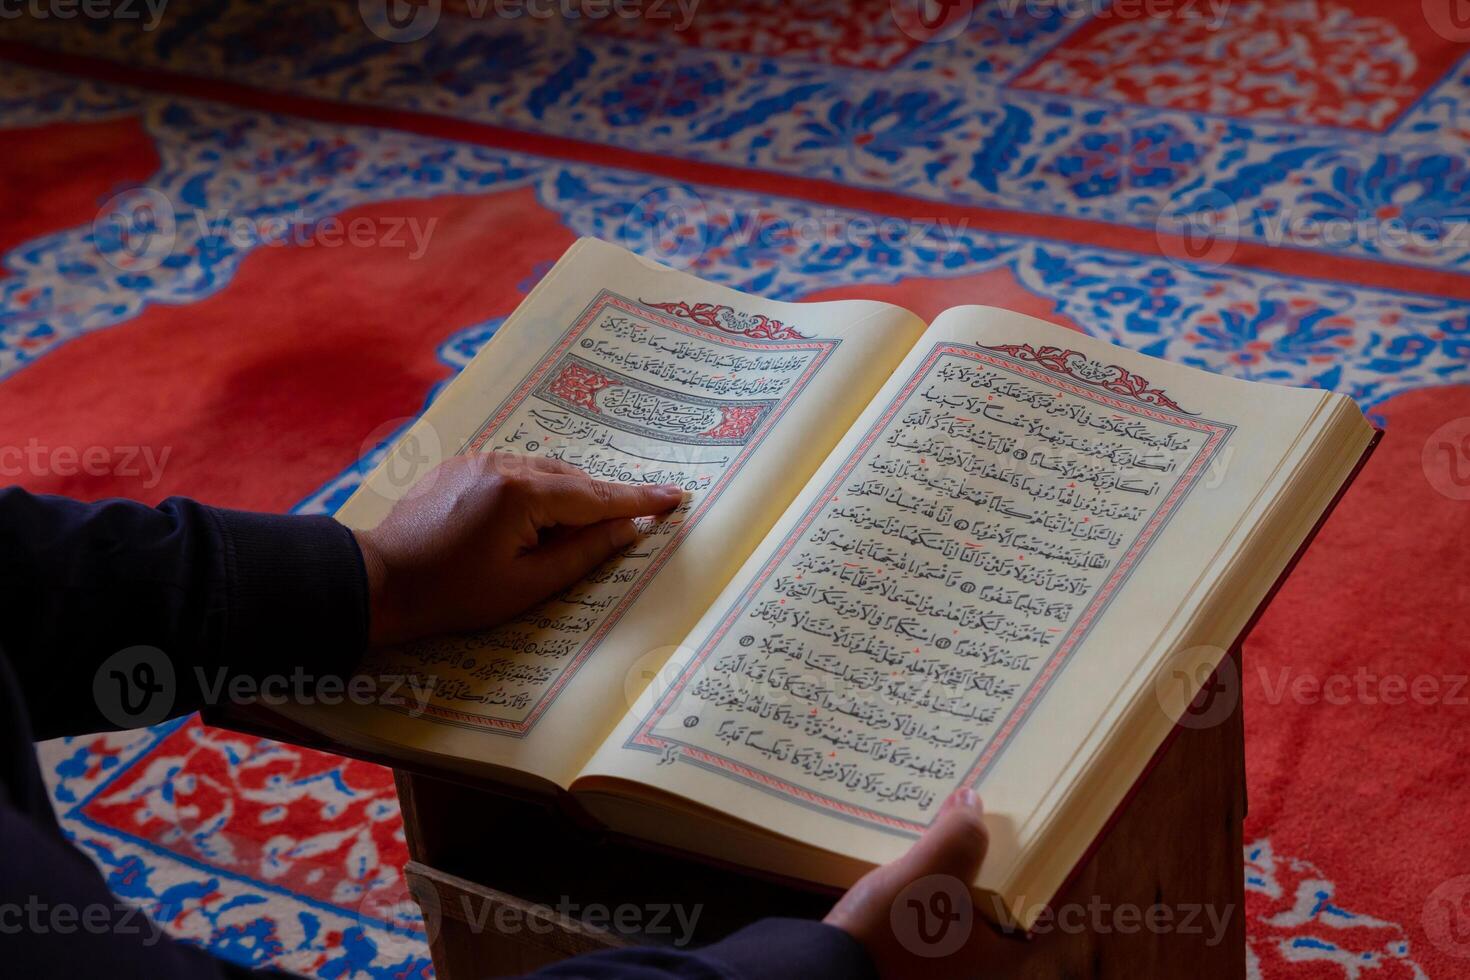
{"x": 586, "y": 938}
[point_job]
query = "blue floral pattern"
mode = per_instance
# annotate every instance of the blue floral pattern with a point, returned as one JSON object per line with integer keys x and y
{"x": 945, "y": 123}
{"x": 1100, "y": 163}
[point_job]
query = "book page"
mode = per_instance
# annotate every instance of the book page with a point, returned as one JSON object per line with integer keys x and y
{"x": 635, "y": 373}
{"x": 969, "y": 592}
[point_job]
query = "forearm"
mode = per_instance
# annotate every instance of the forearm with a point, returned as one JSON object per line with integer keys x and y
{"x": 217, "y": 593}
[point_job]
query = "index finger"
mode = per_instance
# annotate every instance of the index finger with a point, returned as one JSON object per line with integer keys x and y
{"x": 510, "y": 464}
{"x": 573, "y": 500}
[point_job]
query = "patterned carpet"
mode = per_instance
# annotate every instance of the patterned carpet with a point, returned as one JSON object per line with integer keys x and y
{"x": 1275, "y": 191}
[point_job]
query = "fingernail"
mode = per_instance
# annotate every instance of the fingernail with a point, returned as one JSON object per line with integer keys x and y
{"x": 625, "y": 533}
{"x": 964, "y": 797}
{"x": 670, "y": 490}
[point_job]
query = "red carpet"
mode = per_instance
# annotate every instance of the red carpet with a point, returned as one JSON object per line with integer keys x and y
{"x": 1027, "y": 159}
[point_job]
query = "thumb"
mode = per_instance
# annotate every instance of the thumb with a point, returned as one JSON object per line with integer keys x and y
{"x": 954, "y": 844}
{"x": 945, "y": 859}
{"x": 575, "y": 551}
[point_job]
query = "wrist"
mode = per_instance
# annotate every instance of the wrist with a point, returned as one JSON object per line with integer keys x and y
{"x": 383, "y": 621}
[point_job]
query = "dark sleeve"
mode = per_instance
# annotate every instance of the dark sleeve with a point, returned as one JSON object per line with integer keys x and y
{"x": 207, "y": 594}
{"x": 771, "y": 949}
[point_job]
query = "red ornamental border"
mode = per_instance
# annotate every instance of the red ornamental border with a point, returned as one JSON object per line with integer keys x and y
{"x": 1218, "y": 432}
{"x": 822, "y": 348}
{"x": 755, "y": 325}
{"x": 1078, "y": 366}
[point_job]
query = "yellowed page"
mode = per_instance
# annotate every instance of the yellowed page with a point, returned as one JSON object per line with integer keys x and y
{"x": 972, "y": 590}
{"x": 635, "y": 373}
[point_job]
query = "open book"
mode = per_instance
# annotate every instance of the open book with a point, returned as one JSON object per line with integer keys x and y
{"x": 985, "y": 551}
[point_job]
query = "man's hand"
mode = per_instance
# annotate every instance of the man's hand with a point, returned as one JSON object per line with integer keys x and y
{"x": 492, "y": 535}
{"x": 916, "y": 916}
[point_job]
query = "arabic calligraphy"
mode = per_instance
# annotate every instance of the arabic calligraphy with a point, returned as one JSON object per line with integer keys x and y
{"x": 644, "y": 399}
{"x": 898, "y": 632}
